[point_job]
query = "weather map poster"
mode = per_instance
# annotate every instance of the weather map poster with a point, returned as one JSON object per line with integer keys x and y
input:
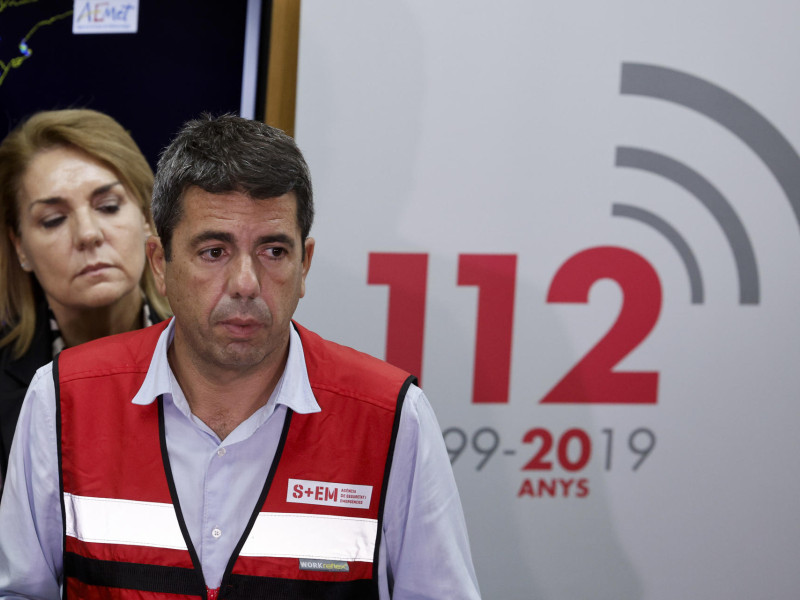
{"x": 151, "y": 65}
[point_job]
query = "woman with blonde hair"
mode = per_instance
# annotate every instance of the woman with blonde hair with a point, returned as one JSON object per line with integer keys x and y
{"x": 75, "y": 205}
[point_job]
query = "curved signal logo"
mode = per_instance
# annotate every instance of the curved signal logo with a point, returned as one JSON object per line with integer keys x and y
{"x": 710, "y": 197}
{"x": 729, "y": 111}
{"x": 593, "y": 379}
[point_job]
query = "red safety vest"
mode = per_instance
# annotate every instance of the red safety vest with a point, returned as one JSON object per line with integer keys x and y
{"x": 315, "y": 532}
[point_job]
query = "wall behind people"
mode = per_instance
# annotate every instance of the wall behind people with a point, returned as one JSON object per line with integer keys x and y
{"x": 579, "y": 223}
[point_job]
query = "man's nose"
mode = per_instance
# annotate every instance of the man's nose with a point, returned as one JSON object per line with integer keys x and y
{"x": 244, "y": 280}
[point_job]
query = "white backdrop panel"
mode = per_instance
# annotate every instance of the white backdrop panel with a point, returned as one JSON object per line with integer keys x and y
{"x": 454, "y": 129}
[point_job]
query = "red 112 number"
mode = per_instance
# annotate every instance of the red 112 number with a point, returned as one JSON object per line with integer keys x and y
{"x": 591, "y": 380}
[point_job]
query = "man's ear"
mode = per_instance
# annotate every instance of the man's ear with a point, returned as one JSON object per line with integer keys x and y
{"x": 309, "y": 246}
{"x": 158, "y": 263}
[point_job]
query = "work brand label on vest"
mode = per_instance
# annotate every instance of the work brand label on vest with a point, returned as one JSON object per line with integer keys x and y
{"x": 336, "y": 566}
{"x": 329, "y": 494}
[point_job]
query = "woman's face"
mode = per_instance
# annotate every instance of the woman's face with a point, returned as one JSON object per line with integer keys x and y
{"x": 81, "y": 232}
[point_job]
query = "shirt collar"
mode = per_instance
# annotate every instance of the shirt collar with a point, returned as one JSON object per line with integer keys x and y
{"x": 293, "y": 388}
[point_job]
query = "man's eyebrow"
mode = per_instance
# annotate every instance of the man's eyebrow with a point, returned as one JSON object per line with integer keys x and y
{"x": 205, "y": 236}
{"x": 228, "y": 238}
{"x": 280, "y": 238}
{"x": 58, "y": 199}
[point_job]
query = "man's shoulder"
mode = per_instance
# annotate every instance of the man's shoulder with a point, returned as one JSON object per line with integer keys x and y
{"x": 349, "y": 371}
{"x": 325, "y": 350}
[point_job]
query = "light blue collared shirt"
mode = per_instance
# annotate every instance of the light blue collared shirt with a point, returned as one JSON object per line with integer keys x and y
{"x": 424, "y": 549}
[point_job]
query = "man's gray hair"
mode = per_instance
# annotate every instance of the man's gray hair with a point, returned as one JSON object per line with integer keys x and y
{"x": 229, "y": 154}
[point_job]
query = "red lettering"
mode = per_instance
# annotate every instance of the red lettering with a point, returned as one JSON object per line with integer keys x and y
{"x": 98, "y": 13}
{"x": 594, "y": 379}
{"x": 538, "y": 462}
{"x": 526, "y": 489}
{"x": 331, "y": 494}
{"x": 551, "y": 487}
{"x": 298, "y": 491}
{"x": 585, "y": 445}
{"x": 318, "y": 493}
{"x": 495, "y": 276}
{"x": 407, "y": 278}
{"x": 554, "y": 488}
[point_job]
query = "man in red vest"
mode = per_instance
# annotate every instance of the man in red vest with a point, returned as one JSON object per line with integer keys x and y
{"x": 229, "y": 452}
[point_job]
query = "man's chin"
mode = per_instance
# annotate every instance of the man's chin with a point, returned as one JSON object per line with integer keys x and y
{"x": 242, "y": 354}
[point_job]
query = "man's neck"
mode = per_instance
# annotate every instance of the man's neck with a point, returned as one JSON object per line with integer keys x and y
{"x": 224, "y": 399}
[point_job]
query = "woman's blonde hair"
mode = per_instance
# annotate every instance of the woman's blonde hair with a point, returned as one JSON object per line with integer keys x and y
{"x": 95, "y": 134}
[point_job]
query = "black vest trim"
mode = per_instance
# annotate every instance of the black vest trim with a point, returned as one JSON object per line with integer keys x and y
{"x": 261, "y": 499}
{"x": 401, "y": 396}
{"x": 133, "y": 576}
{"x": 57, "y": 387}
{"x": 173, "y": 492}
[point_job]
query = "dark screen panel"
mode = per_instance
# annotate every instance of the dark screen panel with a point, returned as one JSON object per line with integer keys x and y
{"x": 186, "y": 58}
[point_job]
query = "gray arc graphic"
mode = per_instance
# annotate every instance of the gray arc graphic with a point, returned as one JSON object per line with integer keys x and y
{"x": 714, "y": 201}
{"x": 738, "y": 117}
{"x": 674, "y": 237}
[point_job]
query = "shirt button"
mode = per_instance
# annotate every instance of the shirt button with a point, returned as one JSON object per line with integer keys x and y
{"x": 221, "y": 452}
{"x": 216, "y": 532}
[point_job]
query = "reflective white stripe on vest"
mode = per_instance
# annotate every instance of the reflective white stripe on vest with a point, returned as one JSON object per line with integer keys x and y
{"x": 128, "y": 522}
{"x": 296, "y": 535}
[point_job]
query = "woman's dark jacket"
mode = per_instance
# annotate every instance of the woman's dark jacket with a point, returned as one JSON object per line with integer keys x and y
{"x": 16, "y": 375}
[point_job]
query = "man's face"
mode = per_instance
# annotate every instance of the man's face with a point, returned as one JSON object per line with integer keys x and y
{"x": 236, "y": 274}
